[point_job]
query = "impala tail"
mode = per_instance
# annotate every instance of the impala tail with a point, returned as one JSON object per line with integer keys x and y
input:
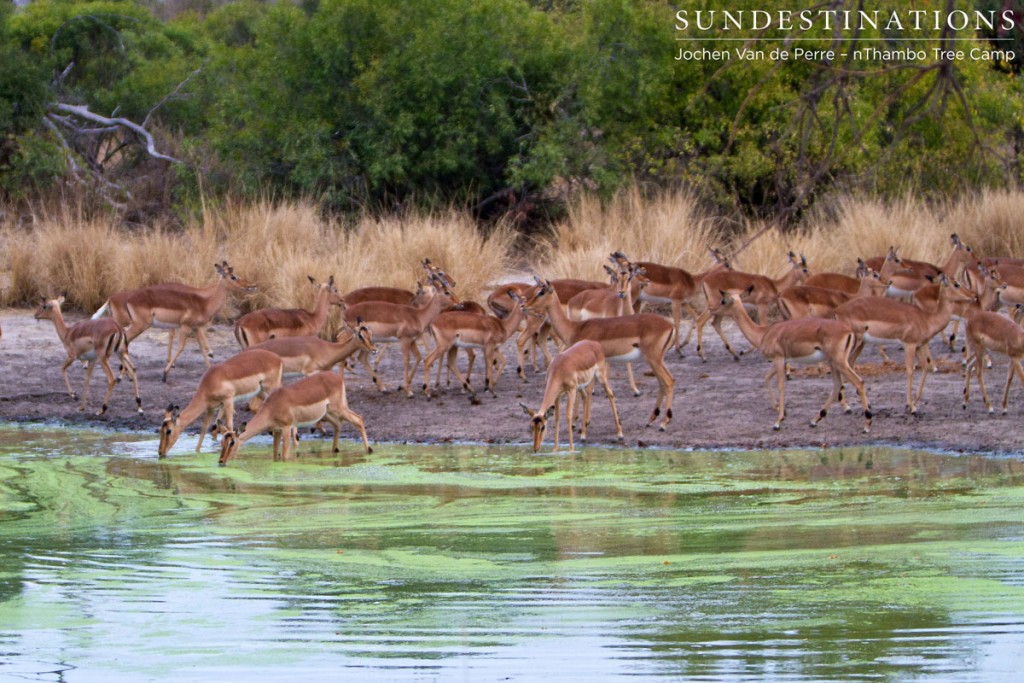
{"x": 102, "y": 310}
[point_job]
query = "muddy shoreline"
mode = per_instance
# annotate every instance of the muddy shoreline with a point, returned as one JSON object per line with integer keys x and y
{"x": 718, "y": 404}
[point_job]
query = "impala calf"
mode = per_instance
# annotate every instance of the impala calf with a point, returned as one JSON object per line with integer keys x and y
{"x": 249, "y": 373}
{"x": 274, "y": 323}
{"x": 570, "y": 372}
{"x": 90, "y": 341}
{"x": 306, "y": 402}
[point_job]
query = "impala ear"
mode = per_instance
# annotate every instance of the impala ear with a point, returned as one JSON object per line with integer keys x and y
{"x": 549, "y": 412}
{"x": 60, "y": 299}
{"x": 526, "y": 409}
{"x": 803, "y": 260}
{"x": 312, "y": 280}
{"x": 330, "y": 280}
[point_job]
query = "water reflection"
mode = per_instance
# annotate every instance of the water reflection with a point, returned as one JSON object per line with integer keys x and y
{"x": 478, "y": 564}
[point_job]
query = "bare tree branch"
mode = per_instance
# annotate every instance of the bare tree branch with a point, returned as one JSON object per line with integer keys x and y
{"x": 83, "y": 112}
{"x": 173, "y": 95}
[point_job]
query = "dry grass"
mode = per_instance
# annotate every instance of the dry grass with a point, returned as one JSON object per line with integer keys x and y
{"x": 670, "y": 228}
{"x": 277, "y": 244}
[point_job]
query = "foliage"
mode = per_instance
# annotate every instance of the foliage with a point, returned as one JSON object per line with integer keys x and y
{"x": 499, "y": 102}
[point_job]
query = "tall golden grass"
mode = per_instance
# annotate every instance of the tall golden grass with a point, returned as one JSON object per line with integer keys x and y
{"x": 275, "y": 244}
{"x": 278, "y": 243}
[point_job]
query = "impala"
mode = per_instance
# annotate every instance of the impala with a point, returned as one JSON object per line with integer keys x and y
{"x": 453, "y": 330}
{"x": 881, "y": 320}
{"x": 807, "y": 340}
{"x": 805, "y": 301}
{"x": 622, "y": 339}
{"x": 174, "y": 306}
{"x": 989, "y": 331}
{"x": 306, "y": 402}
{"x": 763, "y": 291}
{"x": 401, "y": 323}
{"x": 851, "y": 284}
{"x": 307, "y": 355}
{"x": 249, "y": 373}
{"x": 572, "y": 371}
{"x": 673, "y": 286}
{"x": 914, "y": 275}
{"x": 90, "y": 341}
{"x": 274, "y": 323}
{"x": 607, "y": 302}
{"x": 501, "y": 302}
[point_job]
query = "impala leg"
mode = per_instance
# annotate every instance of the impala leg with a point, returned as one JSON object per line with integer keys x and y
{"x": 204, "y": 345}
{"x": 969, "y": 363}
{"x": 470, "y": 361}
{"x": 557, "y": 409}
{"x": 409, "y": 348}
{"x": 570, "y": 414}
{"x": 278, "y": 434}
{"x": 716, "y": 322}
{"x": 666, "y": 389}
{"x": 981, "y": 379}
{"x": 770, "y": 387}
{"x": 588, "y": 397}
{"x": 632, "y": 381}
{"x": 602, "y": 371}
{"x": 111, "y": 381}
{"x": 207, "y": 419}
{"x": 181, "y": 347}
{"x": 286, "y": 445}
{"x": 428, "y": 363}
{"x": 89, "y": 367}
{"x": 128, "y": 368}
{"x": 677, "y": 319}
{"x": 451, "y": 359}
{"x": 858, "y": 383}
{"x": 1020, "y": 374}
{"x": 364, "y": 356}
{"x": 780, "y": 378}
{"x": 693, "y": 318}
{"x": 346, "y": 413}
{"x": 67, "y": 380}
{"x": 699, "y": 324}
{"x": 489, "y": 369}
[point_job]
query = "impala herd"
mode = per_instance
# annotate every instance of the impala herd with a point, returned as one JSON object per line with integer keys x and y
{"x": 827, "y": 318}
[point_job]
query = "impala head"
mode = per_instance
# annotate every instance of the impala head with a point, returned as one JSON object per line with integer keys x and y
{"x": 228, "y": 447}
{"x": 169, "y": 431}
{"x": 951, "y": 290}
{"x": 862, "y": 268}
{"x": 732, "y": 297}
{"x": 799, "y": 263}
{"x": 441, "y": 284}
{"x": 539, "y": 297}
{"x": 620, "y": 278}
{"x": 48, "y": 308}
{"x": 362, "y": 333}
{"x": 619, "y": 259}
{"x": 893, "y": 255}
{"x": 435, "y": 272}
{"x": 227, "y": 275}
{"x": 538, "y": 423}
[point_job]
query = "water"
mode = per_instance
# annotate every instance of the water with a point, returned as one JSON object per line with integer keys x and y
{"x": 471, "y": 563}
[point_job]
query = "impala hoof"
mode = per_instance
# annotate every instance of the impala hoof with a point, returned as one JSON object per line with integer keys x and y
{"x": 776, "y": 427}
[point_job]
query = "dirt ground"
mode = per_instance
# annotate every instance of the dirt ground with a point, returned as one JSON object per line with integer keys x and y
{"x": 718, "y": 404}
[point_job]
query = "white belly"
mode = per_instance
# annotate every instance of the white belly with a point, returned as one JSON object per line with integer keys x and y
{"x": 165, "y": 326}
{"x": 465, "y": 345}
{"x": 879, "y": 340}
{"x": 897, "y": 293}
{"x": 644, "y": 296}
{"x": 633, "y": 355}
{"x": 816, "y": 357}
